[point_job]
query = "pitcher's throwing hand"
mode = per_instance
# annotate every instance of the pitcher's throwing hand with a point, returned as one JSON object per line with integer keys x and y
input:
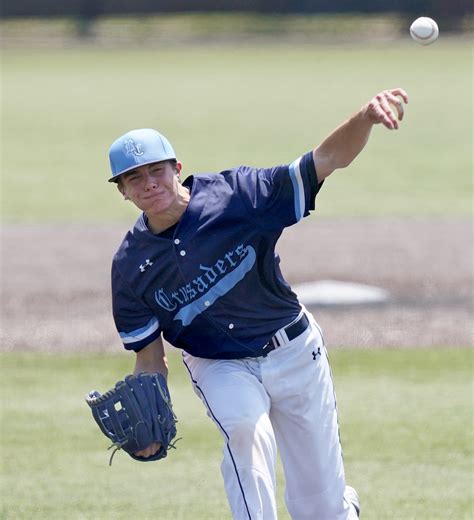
{"x": 379, "y": 108}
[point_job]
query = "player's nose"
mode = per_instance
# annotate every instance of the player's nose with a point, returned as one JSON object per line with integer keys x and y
{"x": 150, "y": 183}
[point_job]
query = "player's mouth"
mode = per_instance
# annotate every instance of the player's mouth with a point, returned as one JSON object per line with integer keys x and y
{"x": 154, "y": 196}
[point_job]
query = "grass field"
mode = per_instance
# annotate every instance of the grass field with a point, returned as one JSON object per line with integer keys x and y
{"x": 234, "y": 104}
{"x": 405, "y": 418}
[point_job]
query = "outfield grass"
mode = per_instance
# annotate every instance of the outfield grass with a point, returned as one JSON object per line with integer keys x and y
{"x": 406, "y": 429}
{"x": 233, "y": 104}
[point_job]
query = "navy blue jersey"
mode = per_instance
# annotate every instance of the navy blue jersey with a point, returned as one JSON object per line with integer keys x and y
{"x": 212, "y": 284}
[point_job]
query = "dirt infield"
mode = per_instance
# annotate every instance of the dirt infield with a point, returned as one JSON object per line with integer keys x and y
{"x": 57, "y": 298}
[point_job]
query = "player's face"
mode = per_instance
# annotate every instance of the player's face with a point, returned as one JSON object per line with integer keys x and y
{"x": 153, "y": 188}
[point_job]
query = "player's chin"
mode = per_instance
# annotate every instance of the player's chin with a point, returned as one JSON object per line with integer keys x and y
{"x": 155, "y": 205}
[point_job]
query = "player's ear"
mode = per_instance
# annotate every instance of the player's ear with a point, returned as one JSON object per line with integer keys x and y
{"x": 178, "y": 167}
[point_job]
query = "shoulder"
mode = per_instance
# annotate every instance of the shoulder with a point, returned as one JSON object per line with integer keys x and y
{"x": 230, "y": 180}
{"x": 208, "y": 180}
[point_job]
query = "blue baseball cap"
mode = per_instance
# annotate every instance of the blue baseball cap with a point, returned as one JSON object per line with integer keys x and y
{"x": 137, "y": 148}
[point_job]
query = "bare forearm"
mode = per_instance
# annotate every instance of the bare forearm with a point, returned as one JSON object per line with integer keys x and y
{"x": 345, "y": 143}
{"x": 152, "y": 359}
{"x": 141, "y": 366}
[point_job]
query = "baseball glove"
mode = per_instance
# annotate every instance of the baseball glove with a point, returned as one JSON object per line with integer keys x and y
{"x": 136, "y": 413}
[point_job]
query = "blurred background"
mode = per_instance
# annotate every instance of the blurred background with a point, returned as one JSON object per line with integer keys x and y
{"x": 255, "y": 83}
{"x": 105, "y": 22}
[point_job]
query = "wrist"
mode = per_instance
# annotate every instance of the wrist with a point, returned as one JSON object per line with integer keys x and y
{"x": 363, "y": 116}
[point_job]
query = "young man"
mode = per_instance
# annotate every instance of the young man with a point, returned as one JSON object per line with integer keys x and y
{"x": 199, "y": 268}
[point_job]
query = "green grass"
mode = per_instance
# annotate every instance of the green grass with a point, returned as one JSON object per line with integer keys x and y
{"x": 232, "y": 104}
{"x": 406, "y": 420}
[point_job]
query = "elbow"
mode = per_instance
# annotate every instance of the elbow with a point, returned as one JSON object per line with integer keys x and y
{"x": 325, "y": 168}
{"x": 326, "y": 163}
{"x": 343, "y": 163}
{"x": 323, "y": 163}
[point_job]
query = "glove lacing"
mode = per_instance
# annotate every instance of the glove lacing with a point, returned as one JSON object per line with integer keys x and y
{"x": 118, "y": 446}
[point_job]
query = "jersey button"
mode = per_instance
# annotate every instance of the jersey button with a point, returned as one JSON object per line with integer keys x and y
{"x": 182, "y": 252}
{"x": 177, "y": 241}
{"x": 231, "y": 325}
{"x": 207, "y": 303}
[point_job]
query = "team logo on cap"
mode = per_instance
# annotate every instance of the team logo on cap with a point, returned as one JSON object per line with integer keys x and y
{"x": 133, "y": 148}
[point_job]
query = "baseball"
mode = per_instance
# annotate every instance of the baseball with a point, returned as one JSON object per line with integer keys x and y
{"x": 424, "y": 30}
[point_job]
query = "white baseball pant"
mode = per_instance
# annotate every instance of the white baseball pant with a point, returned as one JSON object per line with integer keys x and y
{"x": 285, "y": 399}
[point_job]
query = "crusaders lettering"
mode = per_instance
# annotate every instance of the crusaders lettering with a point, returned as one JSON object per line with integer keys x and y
{"x": 229, "y": 267}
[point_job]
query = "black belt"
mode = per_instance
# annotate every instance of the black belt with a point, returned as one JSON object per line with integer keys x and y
{"x": 292, "y": 331}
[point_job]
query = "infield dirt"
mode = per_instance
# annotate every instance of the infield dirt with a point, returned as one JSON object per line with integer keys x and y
{"x": 56, "y": 288}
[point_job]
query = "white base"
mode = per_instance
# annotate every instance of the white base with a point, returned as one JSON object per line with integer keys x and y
{"x": 333, "y": 292}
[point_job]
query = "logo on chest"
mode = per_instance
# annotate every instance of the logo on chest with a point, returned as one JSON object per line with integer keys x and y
{"x": 215, "y": 281}
{"x": 143, "y": 267}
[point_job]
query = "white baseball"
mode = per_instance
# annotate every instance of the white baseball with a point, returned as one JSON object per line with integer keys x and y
{"x": 424, "y": 30}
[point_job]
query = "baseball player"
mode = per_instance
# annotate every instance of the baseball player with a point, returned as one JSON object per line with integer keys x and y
{"x": 199, "y": 269}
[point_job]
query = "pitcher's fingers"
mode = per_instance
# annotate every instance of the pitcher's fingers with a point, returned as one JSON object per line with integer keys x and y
{"x": 384, "y": 104}
{"x": 383, "y": 118}
{"x": 395, "y": 101}
{"x": 399, "y": 92}
{"x": 149, "y": 451}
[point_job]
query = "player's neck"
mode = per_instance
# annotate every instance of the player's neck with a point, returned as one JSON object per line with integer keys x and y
{"x": 157, "y": 223}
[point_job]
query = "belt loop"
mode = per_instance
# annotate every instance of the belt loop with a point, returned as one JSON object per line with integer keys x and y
{"x": 269, "y": 347}
{"x": 282, "y": 337}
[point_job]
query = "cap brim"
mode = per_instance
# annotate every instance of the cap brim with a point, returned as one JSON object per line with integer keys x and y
{"x": 116, "y": 177}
